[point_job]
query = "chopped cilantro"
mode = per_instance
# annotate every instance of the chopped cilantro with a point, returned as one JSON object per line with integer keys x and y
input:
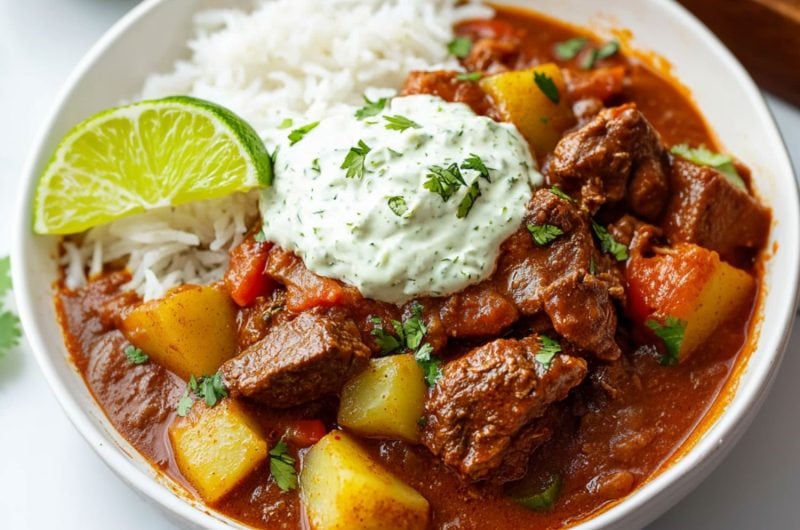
{"x": 5, "y": 275}
{"x": 298, "y": 134}
{"x": 470, "y": 76}
{"x": 548, "y": 349}
{"x": 398, "y": 205}
{"x": 135, "y": 355}
{"x": 606, "y": 51}
{"x": 545, "y": 499}
{"x": 704, "y": 157}
{"x": 355, "y": 160}
{"x": 468, "y": 201}
{"x": 400, "y": 123}
{"x": 286, "y": 123}
{"x": 430, "y": 364}
{"x": 281, "y": 465}
{"x": 10, "y": 331}
{"x": 561, "y": 195}
{"x": 475, "y": 163}
{"x": 544, "y": 234}
{"x": 414, "y": 327}
{"x": 671, "y": 332}
{"x": 608, "y": 244}
{"x": 569, "y": 49}
{"x": 444, "y": 181}
{"x": 460, "y": 47}
{"x": 387, "y": 342}
{"x": 209, "y": 388}
{"x": 371, "y": 108}
{"x": 547, "y": 86}
{"x": 185, "y": 403}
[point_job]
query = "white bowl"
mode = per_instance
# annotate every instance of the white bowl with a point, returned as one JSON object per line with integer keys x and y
{"x": 154, "y": 34}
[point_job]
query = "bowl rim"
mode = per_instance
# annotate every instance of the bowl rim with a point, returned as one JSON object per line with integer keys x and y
{"x": 707, "y": 452}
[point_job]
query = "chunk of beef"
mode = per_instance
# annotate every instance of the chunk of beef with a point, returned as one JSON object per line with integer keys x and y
{"x": 487, "y": 399}
{"x": 556, "y": 278}
{"x": 708, "y": 210}
{"x": 254, "y": 322}
{"x": 617, "y": 156}
{"x": 638, "y": 236}
{"x": 446, "y": 85}
{"x": 298, "y": 361}
{"x": 478, "y": 311}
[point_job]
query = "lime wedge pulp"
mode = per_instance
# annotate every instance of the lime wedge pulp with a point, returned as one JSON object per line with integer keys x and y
{"x": 147, "y": 155}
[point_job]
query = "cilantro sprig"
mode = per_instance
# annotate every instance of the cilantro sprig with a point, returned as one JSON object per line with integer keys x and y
{"x": 671, "y": 332}
{"x": 468, "y": 201}
{"x": 10, "y": 331}
{"x": 705, "y": 157}
{"x": 460, "y": 47}
{"x": 409, "y": 335}
{"x": 548, "y": 349}
{"x": 569, "y": 49}
{"x": 444, "y": 181}
{"x": 555, "y": 190}
{"x": 281, "y": 465}
{"x": 475, "y": 163}
{"x": 606, "y": 51}
{"x": 400, "y": 123}
{"x": 547, "y": 86}
{"x": 209, "y": 388}
{"x": 371, "y": 108}
{"x": 544, "y": 234}
{"x": 299, "y": 133}
{"x": 135, "y": 355}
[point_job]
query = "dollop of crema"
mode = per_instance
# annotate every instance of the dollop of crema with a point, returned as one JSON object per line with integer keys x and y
{"x": 380, "y": 229}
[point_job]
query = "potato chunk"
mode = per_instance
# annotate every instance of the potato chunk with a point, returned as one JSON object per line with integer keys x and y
{"x": 343, "y": 488}
{"x": 385, "y": 400}
{"x": 691, "y": 285}
{"x": 521, "y": 101}
{"x": 191, "y": 331}
{"x": 216, "y": 448}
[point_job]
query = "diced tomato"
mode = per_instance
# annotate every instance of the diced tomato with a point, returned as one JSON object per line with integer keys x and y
{"x": 304, "y": 433}
{"x": 304, "y": 289}
{"x": 245, "y": 278}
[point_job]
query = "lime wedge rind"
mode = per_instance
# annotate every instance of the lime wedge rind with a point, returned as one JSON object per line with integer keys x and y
{"x": 150, "y": 154}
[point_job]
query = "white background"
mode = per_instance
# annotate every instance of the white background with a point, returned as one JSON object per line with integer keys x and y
{"x": 50, "y": 478}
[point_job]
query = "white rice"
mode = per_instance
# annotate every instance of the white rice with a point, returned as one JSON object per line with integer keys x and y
{"x": 299, "y": 59}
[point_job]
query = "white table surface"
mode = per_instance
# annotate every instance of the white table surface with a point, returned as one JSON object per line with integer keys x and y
{"x": 50, "y": 478}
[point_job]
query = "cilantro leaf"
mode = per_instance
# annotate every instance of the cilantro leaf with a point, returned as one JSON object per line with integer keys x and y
{"x": 545, "y": 499}
{"x": 608, "y": 244}
{"x": 281, "y": 465}
{"x": 547, "y": 86}
{"x": 355, "y": 160}
{"x": 470, "y": 76}
{"x": 704, "y": 157}
{"x": 400, "y": 123}
{"x": 135, "y": 355}
{"x": 569, "y": 49}
{"x": 387, "y": 342}
{"x": 10, "y": 332}
{"x": 464, "y": 207}
{"x": 185, "y": 403}
{"x": 544, "y": 234}
{"x": 555, "y": 190}
{"x": 260, "y": 236}
{"x": 430, "y": 364}
{"x": 414, "y": 327}
{"x": 398, "y": 205}
{"x": 671, "y": 332}
{"x": 608, "y": 50}
{"x": 460, "y": 47}
{"x": 298, "y": 134}
{"x": 286, "y": 123}
{"x": 475, "y": 163}
{"x": 371, "y": 108}
{"x": 5, "y": 275}
{"x": 444, "y": 181}
{"x": 209, "y": 388}
{"x": 548, "y": 349}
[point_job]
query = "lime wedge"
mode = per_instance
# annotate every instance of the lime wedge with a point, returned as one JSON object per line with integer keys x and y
{"x": 147, "y": 155}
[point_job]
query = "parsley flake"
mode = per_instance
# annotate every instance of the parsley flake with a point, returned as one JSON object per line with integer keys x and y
{"x": 298, "y": 134}
{"x": 400, "y": 123}
{"x": 475, "y": 163}
{"x": 209, "y": 388}
{"x": 281, "y": 465}
{"x": 466, "y": 204}
{"x": 460, "y": 47}
{"x": 387, "y": 342}
{"x": 544, "y": 234}
{"x": 185, "y": 404}
{"x": 671, "y": 332}
{"x": 286, "y": 123}
{"x": 555, "y": 190}
{"x": 444, "y": 181}
{"x": 315, "y": 166}
{"x": 355, "y": 160}
{"x": 608, "y": 244}
{"x": 569, "y": 49}
{"x": 430, "y": 364}
{"x": 371, "y": 108}
{"x": 135, "y": 355}
{"x": 398, "y": 205}
{"x": 606, "y": 51}
{"x": 547, "y": 86}
{"x": 548, "y": 349}
{"x": 545, "y": 499}
{"x": 470, "y": 76}
{"x": 704, "y": 157}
